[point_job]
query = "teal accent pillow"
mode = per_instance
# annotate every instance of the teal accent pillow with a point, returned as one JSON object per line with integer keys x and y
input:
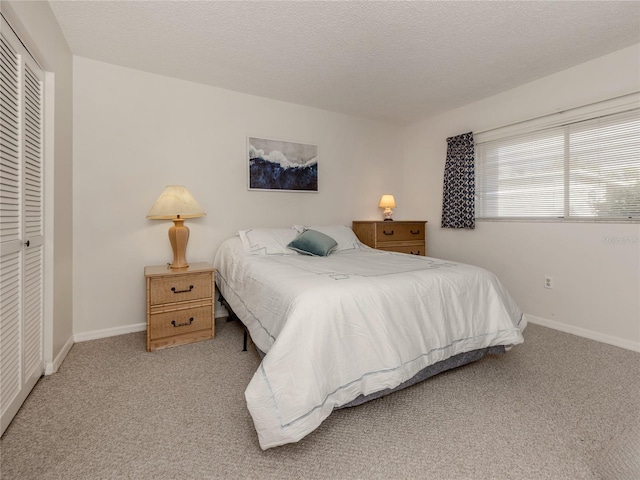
{"x": 312, "y": 242}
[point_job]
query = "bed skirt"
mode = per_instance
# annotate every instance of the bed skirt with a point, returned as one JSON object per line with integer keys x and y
{"x": 430, "y": 371}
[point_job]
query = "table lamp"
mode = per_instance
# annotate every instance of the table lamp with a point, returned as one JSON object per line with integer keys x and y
{"x": 387, "y": 202}
{"x": 176, "y": 203}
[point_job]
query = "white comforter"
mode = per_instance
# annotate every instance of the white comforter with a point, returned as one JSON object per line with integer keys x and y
{"x": 355, "y": 322}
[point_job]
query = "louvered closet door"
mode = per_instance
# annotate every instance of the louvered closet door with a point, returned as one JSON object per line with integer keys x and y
{"x": 21, "y": 224}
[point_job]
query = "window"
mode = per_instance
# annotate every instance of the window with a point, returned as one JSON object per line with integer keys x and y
{"x": 587, "y": 169}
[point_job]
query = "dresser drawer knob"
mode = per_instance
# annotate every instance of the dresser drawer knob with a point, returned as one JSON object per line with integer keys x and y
{"x": 416, "y": 232}
{"x": 173, "y": 322}
{"x": 173, "y": 289}
{"x": 387, "y": 233}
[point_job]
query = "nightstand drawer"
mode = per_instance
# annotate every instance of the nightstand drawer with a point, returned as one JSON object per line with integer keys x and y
{"x": 399, "y": 232}
{"x": 180, "y": 288}
{"x": 179, "y": 322}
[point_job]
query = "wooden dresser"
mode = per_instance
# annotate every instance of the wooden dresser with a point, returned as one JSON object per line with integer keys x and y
{"x": 397, "y": 236}
{"x": 179, "y": 305}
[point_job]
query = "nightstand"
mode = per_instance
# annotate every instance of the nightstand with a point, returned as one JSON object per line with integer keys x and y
{"x": 179, "y": 305}
{"x": 397, "y": 236}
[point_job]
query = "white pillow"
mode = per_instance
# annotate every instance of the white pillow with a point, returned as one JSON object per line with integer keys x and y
{"x": 268, "y": 241}
{"x": 342, "y": 234}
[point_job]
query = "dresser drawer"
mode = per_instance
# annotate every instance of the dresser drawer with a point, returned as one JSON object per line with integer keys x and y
{"x": 418, "y": 249}
{"x": 179, "y": 288}
{"x": 399, "y": 232}
{"x": 404, "y": 236}
{"x": 179, "y": 322}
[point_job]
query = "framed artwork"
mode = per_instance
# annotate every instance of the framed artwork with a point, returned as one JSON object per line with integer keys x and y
{"x": 281, "y": 166}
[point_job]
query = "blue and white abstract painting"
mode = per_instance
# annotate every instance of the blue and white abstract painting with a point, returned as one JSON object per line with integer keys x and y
{"x": 282, "y": 166}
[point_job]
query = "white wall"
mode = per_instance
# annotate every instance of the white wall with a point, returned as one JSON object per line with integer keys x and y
{"x": 39, "y": 31}
{"x": 136, "y": 132}
{"x": 596, "y": 267}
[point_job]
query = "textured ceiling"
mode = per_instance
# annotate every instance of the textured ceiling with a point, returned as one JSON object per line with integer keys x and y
{"x": 397, "y": 62}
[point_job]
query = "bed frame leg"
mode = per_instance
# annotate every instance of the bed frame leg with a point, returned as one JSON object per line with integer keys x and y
{"x": 232, "y": 316}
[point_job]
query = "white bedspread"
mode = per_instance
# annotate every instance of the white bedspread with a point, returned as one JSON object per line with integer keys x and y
{"x": 352, "y": 323}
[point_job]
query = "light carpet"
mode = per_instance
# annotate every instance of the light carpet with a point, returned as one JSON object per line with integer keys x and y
{"x": 556, "y": 407}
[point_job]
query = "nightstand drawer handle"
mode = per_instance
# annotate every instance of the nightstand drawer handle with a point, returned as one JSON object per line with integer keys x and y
{"x": 415, "y": 233}
{"x": 415, "y": 253}
{"x": 173, "y": 289}
{"x": 387, "y": 233}
{"x": 173, "y": 322}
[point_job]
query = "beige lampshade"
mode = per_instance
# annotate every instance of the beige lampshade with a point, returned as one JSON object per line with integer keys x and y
{"x": 175, "y": 202}
{"x": 387, "y": 201}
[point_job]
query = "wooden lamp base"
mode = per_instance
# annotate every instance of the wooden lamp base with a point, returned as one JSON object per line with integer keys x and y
{"x": 179, "y": 236}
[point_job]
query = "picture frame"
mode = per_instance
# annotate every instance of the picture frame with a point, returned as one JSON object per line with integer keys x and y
{"x": 281, "y": 166}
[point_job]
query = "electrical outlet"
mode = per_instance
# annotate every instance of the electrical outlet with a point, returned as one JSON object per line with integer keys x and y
{"x": 548, "y": 282}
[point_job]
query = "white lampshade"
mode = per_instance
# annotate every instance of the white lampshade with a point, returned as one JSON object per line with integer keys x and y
{"x": 387, "y": 201}
{"x": 175, "y": 202}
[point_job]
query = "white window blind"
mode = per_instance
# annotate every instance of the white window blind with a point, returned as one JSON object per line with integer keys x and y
{"x": 588, "y": 169}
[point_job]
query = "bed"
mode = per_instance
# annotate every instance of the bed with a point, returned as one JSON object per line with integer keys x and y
{"x": 342, "y": 328}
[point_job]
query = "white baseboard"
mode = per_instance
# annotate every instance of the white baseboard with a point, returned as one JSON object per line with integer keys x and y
{"x": 137, "y": 327}
{"x": 109, "y": 332}
{"x": 52, "y": 367}
{"x": 583, "y": 332}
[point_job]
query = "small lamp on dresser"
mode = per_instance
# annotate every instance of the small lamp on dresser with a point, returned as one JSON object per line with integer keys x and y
{"x": 176, "y": 203}
{"x": 387, "y": 202}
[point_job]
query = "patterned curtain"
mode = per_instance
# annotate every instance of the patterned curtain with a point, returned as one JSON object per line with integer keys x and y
{"x": 459, "y": 183}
